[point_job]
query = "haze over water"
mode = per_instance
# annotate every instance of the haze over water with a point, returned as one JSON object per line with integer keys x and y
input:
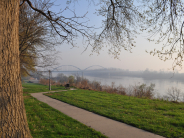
{"x": 163, "y": 80}
{"x": 161, "y": 85}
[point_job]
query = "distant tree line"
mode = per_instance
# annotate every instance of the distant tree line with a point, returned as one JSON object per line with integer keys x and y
{"x": 146, "y": 74}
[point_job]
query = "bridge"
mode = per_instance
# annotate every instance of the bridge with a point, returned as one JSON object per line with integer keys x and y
{"x": 70, "y": 68}
{"x": 73, "y": 68}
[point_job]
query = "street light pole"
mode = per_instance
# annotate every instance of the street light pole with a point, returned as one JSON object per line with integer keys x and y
{"x": 82, "y": 74}
{"x": 49, "y": 81}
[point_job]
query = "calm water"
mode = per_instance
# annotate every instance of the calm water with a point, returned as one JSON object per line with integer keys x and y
{"x": 161, "y": 86}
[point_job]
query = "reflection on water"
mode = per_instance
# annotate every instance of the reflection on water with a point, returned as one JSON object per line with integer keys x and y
{"x": 161, "y": 85}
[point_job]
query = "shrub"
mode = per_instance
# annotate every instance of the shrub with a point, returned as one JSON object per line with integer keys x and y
{"x": 46, "y": 82}
{"x": 71, "y": 79}
{"x": 173, "y": 94}
{"x": 141, "y": 91}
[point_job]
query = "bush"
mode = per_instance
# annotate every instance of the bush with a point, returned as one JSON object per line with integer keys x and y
{"x": 173, "y": 94}
{"x": 71, "y": 79}
{"x": 144, "y": 91}
{"x": 46, "y": 82}
{"x": 141, "y": 91}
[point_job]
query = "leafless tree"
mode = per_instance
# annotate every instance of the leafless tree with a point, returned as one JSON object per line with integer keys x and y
{"x": 122, "y": 18}
{"x": 36, "y": 42}
{"x": 165, "y": 24}
{"x": 118, "y": 29}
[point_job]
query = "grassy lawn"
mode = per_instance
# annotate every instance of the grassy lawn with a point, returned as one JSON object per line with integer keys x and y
{"x": 34, "y": 88}
{"x": 46, "y": 122}
{"x": 160, "y": 117}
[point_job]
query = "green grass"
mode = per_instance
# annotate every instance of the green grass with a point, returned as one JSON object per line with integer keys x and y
{"x": 34, "y": 88}
{"x": 46, "y": 122}
{"x": 160, "y": 117}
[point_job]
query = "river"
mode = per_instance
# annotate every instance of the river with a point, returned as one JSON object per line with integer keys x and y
{"x": 161, "y": 85}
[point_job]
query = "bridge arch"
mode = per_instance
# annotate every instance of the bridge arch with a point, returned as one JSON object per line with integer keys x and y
{"x": 94, "y": 66}
{"x": 65, "y": 66}
{"x": 55, "y": 69}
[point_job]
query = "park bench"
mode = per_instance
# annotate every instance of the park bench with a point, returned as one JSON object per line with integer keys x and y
{"x": 67, "y": 85}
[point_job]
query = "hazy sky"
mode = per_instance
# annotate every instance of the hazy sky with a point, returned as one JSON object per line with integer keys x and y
{"x": 138, "y": 60}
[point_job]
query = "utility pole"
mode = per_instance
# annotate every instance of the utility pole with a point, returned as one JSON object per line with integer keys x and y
{"x": 82, "y": 74}
{"x": 49, "y": 80}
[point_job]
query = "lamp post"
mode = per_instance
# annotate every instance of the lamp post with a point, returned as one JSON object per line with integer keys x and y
{"x": 49, "y": 80}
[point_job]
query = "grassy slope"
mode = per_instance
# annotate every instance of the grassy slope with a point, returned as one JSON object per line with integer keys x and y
{"x": 160, "y": 117}
{"x": 46, "y": 122}
{"x": 34, "y": 88}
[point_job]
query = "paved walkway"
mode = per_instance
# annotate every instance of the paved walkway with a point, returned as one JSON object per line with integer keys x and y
{"x": 108, "y": 127}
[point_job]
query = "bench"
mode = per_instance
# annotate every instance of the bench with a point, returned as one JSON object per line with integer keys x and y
{"x": 67, "y": 85}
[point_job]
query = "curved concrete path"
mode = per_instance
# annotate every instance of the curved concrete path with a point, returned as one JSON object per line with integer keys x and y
{"x": 108, "y": 127}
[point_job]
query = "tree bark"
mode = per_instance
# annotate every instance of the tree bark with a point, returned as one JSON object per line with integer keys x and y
{"x": 13, "y": 120}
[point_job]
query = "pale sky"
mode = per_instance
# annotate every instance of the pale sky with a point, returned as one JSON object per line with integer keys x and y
{"x": 137, "y": 60}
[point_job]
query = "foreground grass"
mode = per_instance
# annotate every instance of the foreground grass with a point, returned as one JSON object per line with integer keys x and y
{"x": 46, "y": 122}
{"x": 34, "y": 88}
{"x": 160, "y": 117}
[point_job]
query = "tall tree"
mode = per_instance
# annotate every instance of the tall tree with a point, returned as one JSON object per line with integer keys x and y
{"x": 30, "y": 33}
{"x": 35, "y": 39}
{"x": 13, "y": 120}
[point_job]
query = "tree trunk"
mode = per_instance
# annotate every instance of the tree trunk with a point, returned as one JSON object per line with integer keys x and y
{"x": 13, "y": 120}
